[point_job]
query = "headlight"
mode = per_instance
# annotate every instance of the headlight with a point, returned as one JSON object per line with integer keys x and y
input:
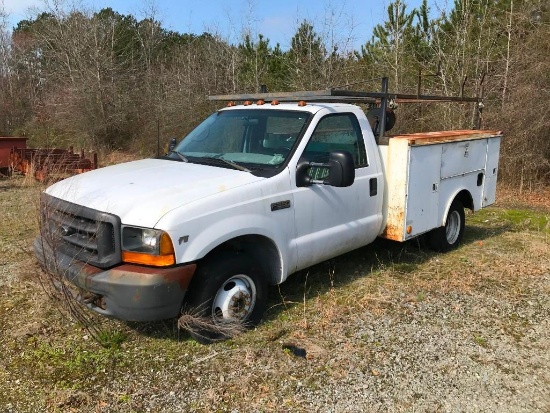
{"x": 147, "y": 246}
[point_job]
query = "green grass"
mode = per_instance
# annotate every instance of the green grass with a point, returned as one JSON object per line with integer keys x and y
{"x": 511, "y": 219}
{"x": 480, "y": 340}
{"x": 70, "y": 366}
{"x": 112, "y": 339}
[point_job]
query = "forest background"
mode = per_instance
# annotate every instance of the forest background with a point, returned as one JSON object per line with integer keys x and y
{"x": 105, "y": 81}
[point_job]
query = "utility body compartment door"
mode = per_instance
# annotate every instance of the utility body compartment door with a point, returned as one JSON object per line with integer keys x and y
{"x": 459, "y": 158}
{"x": 422, "y": 207}
{"x": 491, "y": 171}
{"x": 413, "y": 184}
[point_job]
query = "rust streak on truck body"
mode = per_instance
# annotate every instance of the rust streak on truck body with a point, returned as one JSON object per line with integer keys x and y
{"x": 394, "y": 227}
{"x": 397, "y": 180}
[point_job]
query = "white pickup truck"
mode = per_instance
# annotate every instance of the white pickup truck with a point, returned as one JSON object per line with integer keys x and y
{"x": 256, "y": 192}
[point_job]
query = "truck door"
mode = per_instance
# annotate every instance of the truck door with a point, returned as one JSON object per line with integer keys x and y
{"x": 328, "y": 220}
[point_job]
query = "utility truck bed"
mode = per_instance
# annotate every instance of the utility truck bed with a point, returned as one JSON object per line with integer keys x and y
{"x": 425, "y": 172}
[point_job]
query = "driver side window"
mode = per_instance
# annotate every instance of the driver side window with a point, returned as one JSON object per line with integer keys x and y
{"x": 337, "y": 132}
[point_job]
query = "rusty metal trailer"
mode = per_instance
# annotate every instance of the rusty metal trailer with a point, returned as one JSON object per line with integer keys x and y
{"x": 46, "y": 163}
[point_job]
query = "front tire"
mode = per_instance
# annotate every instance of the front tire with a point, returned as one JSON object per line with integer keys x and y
{"x": 449, "y": 236}
{"x": 227, "y": 295}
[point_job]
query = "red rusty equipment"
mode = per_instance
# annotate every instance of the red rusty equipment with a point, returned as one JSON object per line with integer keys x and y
{"x": 6, "y": 146}
{"x": 45, "y": 163}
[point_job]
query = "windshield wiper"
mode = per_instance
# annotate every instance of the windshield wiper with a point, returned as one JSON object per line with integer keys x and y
{"x": 235, "y": 165}
{"x": 218, "y": 159}
{"x": 181, "y": 156}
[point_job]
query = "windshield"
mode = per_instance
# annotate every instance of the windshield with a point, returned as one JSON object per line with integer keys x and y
{"x": 249, "y": 136}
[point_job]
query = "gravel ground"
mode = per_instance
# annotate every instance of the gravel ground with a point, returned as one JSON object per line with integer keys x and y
{"x": 448, "y": 353}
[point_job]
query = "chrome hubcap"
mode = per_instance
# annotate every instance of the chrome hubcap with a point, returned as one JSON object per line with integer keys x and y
{"x": 235, "y": 299}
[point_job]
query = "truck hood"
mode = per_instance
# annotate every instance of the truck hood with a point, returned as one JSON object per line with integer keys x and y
{"x": 142, "y": 192}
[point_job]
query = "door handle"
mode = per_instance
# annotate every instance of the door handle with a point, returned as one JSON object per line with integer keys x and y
{"x": 373, "y": 185}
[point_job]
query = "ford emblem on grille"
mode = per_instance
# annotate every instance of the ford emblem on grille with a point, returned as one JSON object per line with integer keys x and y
{"x": 66, "y": 230}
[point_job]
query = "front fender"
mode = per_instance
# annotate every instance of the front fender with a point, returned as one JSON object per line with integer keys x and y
{"x": 225, "y": 230}
{"x": 199, "y": 228}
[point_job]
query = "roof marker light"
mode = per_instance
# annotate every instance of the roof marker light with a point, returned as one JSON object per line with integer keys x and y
{"x": 274, "y": 102}
{"x": 260, "y": 102}
{"x": 302, "y": 103}
{"x": 247, "y": 103}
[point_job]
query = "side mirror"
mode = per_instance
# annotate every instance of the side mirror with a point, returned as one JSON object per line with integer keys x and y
{"x": 339, "y": 171}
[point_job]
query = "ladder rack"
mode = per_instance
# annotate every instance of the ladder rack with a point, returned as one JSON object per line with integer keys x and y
{"x": 381, "y": 99}
{"x": 343, "y": 96}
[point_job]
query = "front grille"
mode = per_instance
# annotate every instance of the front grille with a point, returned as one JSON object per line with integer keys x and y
{"x": 82, "y": 233}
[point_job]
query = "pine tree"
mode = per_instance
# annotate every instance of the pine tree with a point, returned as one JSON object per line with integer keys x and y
{"x": 306, "y": 58}
{"x": 388, "y": 53}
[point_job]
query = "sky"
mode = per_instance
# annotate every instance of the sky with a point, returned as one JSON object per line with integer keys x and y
{"x": 348, "y": 23}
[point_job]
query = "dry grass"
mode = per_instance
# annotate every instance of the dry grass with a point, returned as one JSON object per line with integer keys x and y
{"x": 203, "y": 327}
{"x": 325, "y": 326}
{"x": 512, "y": 197}
{"x": 113, "y": 157}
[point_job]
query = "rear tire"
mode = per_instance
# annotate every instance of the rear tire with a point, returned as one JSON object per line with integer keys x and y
{"x": 449, "y": 236}
{"x": 228, "y": 294}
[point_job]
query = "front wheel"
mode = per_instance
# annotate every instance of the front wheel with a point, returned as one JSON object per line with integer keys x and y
{"x": 227, "y": 295}
{"x": 449, "y": 236}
